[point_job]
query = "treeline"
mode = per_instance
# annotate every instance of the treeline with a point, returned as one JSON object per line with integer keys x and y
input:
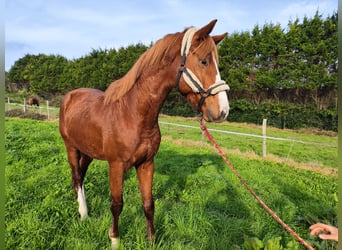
{"x": 286, "y": 75}
{"x": 47, "y": 75}
{"x": 297, "y": 66}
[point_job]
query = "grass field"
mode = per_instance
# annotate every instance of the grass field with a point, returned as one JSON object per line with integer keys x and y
{"x": 199, "y": 203}
{"x": 320, "y": 148}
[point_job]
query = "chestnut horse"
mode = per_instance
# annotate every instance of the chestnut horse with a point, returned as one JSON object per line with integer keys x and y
{"x": 120, "y": 125}
{"x": 33, "y": 101}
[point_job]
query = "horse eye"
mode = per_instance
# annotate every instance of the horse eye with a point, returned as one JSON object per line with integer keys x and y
{"x": 204, "y": 62}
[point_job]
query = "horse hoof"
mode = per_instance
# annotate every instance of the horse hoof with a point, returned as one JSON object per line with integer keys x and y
{"x": 83, "y": 216}
{"x": 115, "y": 243}
{"x": 151, "y": 238}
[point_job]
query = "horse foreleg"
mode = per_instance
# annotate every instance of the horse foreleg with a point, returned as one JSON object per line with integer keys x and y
{"x": 145, "y": 177}
{"x": 116, "y": 177}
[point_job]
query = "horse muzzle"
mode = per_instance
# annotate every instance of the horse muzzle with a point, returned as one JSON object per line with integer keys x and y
{"x": 209, "y": 116}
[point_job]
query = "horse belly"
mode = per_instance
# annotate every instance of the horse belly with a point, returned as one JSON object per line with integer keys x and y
{"x": 90, "y": 144}
{"x": 80, "y": 124}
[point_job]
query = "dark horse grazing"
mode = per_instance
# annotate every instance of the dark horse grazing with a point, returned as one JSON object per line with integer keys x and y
{"x": 120, "y": 125}
{"x": 33, "y": 101}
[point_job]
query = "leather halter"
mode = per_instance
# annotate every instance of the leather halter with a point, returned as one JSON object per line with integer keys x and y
{"x": 190, "y": 78}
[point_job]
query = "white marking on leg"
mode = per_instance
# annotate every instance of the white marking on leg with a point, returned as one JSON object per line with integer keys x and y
{"x": 115, "y": 243}
{"x": 82, "y": 204}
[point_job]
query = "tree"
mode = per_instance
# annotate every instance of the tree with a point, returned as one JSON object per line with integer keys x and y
{"x": 291, "y": 67}
{"x": 20, "y": 72}
{"x": 296, "y": 65}
{"x": 46, "y": 74}
{"x": 100, "y": 68}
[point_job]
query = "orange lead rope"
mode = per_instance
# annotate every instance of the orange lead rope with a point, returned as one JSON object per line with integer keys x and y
{"x": 293, "y": 233}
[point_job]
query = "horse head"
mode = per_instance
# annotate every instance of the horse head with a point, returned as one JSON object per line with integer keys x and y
{"x": 199, "y": 77}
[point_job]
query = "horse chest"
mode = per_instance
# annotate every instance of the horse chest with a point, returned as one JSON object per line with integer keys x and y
{"x": 132, "y": 148}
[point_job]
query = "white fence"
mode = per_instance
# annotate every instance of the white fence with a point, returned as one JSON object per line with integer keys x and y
{"x": 52, "y": 113}
{"x": 235, "y": 133}
{"x": 263, "y": 137}
{"x": 43, "y": 108}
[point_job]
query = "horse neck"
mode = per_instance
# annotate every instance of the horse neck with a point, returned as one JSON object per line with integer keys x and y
{"x": 150, "y": 93}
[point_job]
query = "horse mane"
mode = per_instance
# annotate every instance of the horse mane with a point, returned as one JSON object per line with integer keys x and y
{"x": 162, "y": 52}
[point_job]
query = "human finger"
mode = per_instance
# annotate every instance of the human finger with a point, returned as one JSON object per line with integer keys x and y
{"x": 327, "y": 236}
{"x": 318, "y": 225}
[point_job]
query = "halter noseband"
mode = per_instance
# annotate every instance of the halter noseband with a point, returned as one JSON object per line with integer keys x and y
{"x": 191, "y": 80}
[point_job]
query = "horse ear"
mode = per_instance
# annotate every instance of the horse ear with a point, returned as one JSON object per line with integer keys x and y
{"x": 219, "y": 38}
{"x": 204, "y": 32}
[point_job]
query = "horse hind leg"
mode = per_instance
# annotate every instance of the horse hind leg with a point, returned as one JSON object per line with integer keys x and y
{"x": 82, "y": 204}
{"x": 79, "y": 163}
{"x": 84, "y": 162}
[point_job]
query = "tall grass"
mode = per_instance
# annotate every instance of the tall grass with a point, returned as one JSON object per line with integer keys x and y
{"x": 199, "y": 203}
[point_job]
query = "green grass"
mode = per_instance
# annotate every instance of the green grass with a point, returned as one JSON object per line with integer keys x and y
{"x": 316, "y": 150}
{"x": 199, "y": 203}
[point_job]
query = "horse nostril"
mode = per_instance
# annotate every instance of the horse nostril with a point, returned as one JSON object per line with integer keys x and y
{"x": 219, "y": 116}
{"x": 224, "y": 114}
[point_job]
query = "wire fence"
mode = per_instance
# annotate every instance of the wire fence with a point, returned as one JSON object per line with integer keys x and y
{"x": 43, "y": 108}
{"x": 245, "y": 134}
{"x": 310, "y": 149}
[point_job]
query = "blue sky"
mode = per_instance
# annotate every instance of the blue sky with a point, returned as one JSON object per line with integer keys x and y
{"x": 73, "y": 28}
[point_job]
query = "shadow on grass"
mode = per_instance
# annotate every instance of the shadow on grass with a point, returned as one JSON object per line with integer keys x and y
{"x": 196, "y": 205}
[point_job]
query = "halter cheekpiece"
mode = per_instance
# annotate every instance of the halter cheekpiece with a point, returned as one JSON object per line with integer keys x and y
{"x": 190, "y": 78}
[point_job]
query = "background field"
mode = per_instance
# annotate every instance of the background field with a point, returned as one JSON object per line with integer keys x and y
{"x": 320, "y": 147}
{"x": 199, "y": 203}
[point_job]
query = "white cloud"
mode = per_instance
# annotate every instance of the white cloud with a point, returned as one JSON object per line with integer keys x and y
{"x": 301, "y": 9}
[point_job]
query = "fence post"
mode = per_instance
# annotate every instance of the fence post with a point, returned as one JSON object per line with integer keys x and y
{"x": 9, "y": 104}
{"x": 48, "y": 110}
{"x": 24, "y": 105}
{"x": 264, "y": 150}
